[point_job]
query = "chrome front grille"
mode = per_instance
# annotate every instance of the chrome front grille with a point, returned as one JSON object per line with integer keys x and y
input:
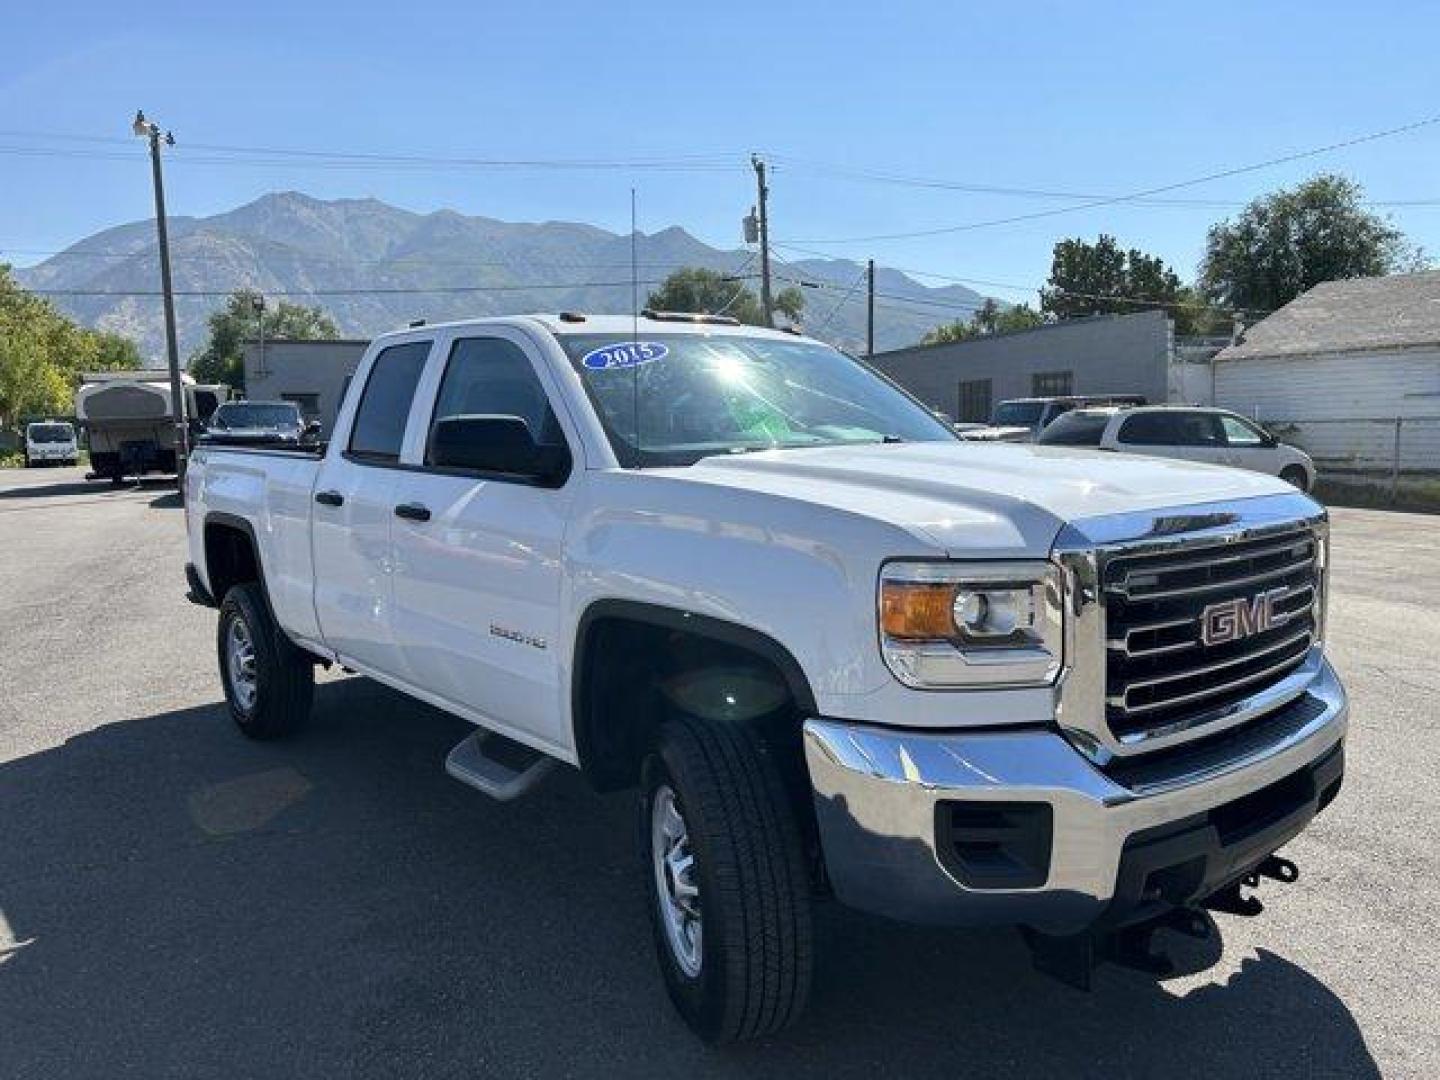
{"x": 1193, "y": 629}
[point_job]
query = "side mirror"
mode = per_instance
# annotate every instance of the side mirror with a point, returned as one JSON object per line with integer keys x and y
{"x": 496, "y": 444}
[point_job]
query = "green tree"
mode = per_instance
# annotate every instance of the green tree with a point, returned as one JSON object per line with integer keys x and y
{"x": 1291, "y": 240}
{"x": 696, "y": 289}
{"x": 1103, "y": 279}
{"x": 222, "y": 359}
{"x": 43, "y": 353}
{"x": 990, "y": 318}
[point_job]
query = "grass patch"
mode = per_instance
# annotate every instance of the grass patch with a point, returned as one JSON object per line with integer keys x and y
{"x": 1421, "y": 494}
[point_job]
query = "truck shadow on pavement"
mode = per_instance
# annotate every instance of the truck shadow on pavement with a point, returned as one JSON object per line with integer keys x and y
{"x": 180, "y": 901}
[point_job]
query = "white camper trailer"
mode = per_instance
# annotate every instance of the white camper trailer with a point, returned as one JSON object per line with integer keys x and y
{"x": 130, "y": 419}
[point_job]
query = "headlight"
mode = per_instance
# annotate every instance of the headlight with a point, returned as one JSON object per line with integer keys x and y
{"x": 945, "y": 625}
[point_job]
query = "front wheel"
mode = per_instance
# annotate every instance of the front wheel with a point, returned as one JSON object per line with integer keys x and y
{"x": 725, "y": 874}
{"x": 269, "y": 683}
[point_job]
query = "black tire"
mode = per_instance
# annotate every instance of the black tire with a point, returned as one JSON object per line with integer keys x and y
{"x": 116, "y": 479}
{"x": 1295, "y": 476}
{"x": 756, "y": 946}
{"x": 283, "y": 676}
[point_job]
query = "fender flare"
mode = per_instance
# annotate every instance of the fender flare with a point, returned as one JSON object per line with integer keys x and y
{"x": 243, "y": 525}
{"x": 723, "y": 631}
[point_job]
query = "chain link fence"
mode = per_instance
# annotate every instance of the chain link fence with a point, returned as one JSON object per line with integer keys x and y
{"x": 1391, "y": 453}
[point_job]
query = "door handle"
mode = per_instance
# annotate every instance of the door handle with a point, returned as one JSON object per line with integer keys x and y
{"x": 413, "y": 512}
{"x": 330, "y": 498}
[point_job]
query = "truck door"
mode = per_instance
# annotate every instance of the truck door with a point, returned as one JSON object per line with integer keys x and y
{"x": 353, "y": 511}
{"x": 478, "y": 557}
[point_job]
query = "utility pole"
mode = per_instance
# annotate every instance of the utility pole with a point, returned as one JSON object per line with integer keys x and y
{"x": 869, "y": 308}
{"x": 763, "y": 193}
{"x": 147, "y": 129}
{"x": 257, "y": 304}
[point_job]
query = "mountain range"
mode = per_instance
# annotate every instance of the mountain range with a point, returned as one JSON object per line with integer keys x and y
{"x": 374, "y": 267}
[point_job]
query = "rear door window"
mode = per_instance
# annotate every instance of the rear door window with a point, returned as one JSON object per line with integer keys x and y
{"x": 385, "y": 405}
{"x": 1076, "y": 429}
{"x": 1170, "y": 428}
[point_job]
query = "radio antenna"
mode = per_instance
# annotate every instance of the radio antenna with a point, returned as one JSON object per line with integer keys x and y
{"x": 634, "y": 318}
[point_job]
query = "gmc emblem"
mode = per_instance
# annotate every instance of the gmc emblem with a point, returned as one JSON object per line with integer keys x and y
{"x": 1237, "y": 619}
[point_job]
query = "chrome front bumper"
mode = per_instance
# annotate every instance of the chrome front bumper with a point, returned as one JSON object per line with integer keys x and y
{"x": 880, "y": 794}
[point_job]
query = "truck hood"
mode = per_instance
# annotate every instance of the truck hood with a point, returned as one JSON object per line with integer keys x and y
{"x": 981, "y": 499}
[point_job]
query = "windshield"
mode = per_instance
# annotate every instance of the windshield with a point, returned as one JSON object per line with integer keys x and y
{"x": 671, "y": 399}
{"x": 50, "y": 433}
{"x": 256, "y": 414}
{"x": 1018, "y": 413}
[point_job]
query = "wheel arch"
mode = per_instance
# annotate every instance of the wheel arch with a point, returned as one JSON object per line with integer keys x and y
{"x": 613, "y": 630}
{"x": 232, "y": 555}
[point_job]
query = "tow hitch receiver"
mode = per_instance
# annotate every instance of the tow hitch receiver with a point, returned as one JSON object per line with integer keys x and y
{"x": 1232, "y": 901}
{"x": 1073, "y": 958}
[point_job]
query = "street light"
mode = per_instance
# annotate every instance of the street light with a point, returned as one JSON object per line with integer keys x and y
{"x": 147, "y": 129}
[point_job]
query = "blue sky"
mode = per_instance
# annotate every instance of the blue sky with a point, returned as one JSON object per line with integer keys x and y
{"x": 1094, "y": 98}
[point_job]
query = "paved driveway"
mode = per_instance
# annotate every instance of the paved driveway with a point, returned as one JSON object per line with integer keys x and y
{"x": 176, "y": 901}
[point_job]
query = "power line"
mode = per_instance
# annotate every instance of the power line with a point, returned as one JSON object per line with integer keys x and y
{"x": 404, "y": 260}
{"x": 1037, "y": 289}
{"x": 370, "y": 291}
{"x": 1134, "y": 195}
{"x": 214, "y": 153}
{"x": 850, "y": 173}
{"x": 839, "y": 304}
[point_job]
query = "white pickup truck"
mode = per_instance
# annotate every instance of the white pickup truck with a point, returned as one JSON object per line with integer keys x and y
{"x": 838, "y": 651}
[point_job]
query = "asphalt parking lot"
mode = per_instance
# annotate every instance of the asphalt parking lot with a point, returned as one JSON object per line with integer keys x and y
{"x": 177, "y": 901}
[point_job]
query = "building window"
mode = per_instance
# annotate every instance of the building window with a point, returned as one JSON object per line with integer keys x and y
{"x": 974, "y": 401}
{"x": 1052, "y": 383}
{"x": 309, "y": 404}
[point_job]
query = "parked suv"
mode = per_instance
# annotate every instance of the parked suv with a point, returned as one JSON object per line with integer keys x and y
{"x": 1214, "y": 436}
{"x": 257, "y": 423}
{"x": 1022, "y": 419}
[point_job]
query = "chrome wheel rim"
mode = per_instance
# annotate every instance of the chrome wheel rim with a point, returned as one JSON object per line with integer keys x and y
{"x": 240, "y": 664}
{"x": 676, "y": 887}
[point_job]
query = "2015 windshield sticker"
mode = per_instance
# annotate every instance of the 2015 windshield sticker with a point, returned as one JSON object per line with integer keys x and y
{"x": 624, "y": 354}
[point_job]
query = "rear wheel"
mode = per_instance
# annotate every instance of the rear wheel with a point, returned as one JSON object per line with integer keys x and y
{"x": 1294, "y": 475}
{"x": 725, "y": 873}
{"x": 269, "y": 683}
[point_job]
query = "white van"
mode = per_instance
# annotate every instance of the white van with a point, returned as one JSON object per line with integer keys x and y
{"x": 51, "y": 442}
{"x": 1216, "y": 436}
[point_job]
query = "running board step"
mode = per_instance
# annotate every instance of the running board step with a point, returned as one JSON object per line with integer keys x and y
{"x": 502, "y": 768}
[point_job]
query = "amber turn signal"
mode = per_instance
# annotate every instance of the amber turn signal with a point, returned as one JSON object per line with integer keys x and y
{"x": 917, "y": 611}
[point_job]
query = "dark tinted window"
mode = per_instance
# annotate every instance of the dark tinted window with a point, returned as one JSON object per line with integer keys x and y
{"x": 1170, "y": 428}
{"x": 974, "y": 401}
{"x": 385, "y": 405}
{"x": 493, "y": 377}
{"x": 1052, "y": 383}
{"x": 1018, "y": 413}
{"x": 1075, "y": 429}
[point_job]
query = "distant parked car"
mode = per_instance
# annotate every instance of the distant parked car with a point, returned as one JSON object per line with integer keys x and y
{"x": 1215, "y": 436}
{"x": 51, "y": 443}
{"x": 260, "y": 423}
{"x": 1022, "y": 419}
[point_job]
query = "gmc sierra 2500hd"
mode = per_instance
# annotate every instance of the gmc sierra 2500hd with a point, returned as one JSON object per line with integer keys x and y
{"x": 837, "y": 650}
